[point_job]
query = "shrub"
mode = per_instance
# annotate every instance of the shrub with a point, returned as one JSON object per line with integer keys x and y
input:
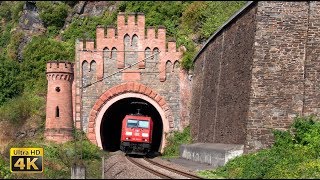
{"x": 10, "y": 86}
{"x": 84, "y": 28}
{"x": 59, "y": 158}
{"x": 52, "y": 14}
{"x": 17, "y": 110}
{"x": 215, "y": 14}
{"x": 12, "y": 48}
{"x": 5, "y": 35}
{"x": 11, "y": 10}
{"x": 36, "y": 54}
{"x": 175, "y": 140}
{"x": 5, "y": 10}
{"x": 4, "y": 169}
{"x": 295, "y": 154}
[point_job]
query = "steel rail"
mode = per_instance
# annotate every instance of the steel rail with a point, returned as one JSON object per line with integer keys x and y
{"x": 173, "y": 170}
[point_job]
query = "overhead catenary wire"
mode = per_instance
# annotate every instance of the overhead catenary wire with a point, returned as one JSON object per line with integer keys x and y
{"x": 130, "y": 66}
{"x": 94, "y": 52}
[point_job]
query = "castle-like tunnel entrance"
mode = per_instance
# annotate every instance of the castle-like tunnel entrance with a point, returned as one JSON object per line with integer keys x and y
{"x": 111, "y": 122}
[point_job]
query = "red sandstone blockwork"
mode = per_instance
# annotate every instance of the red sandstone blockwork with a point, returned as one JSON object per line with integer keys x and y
{"x": 59, "y": 115}
{"x": 109, "y": 40}
{"x": 121, "y": 89}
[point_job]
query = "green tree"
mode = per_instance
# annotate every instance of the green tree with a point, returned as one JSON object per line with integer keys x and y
{"x": 10, "y": 86}
{"x": 52, "y": 14}
{"x": 36, "y": 54}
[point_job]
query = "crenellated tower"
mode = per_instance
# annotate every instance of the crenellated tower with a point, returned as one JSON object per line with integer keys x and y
{"x": 59, "y": 114}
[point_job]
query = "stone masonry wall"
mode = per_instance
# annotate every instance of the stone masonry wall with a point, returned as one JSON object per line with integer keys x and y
{"x": 284, "y": 72}
{"x": 221, "y": 84}
{"x": 285, "y": 81}
{"x": 312, "y": 62}
{"x": 278, "y": 70}
{"x": 106, "y": 58}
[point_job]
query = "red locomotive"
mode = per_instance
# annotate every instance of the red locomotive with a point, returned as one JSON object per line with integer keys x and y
{"x": 136, "y": 134}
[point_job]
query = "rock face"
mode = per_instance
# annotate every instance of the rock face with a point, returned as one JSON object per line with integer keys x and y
{"x": 89, "y": 8}
{"x": 31, "y": 24}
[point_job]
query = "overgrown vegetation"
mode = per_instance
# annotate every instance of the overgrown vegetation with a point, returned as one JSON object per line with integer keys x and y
{"x": 295, "y": 154}
{"x": 58, "y": 159}
{"x": 53, "y": 14}
{"x": 175, "y": 140}
{"x": 36, "y": 54}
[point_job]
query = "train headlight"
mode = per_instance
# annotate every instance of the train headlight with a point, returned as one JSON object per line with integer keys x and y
{"x": 145, "y": 135}
{"x": 128, "y": 133}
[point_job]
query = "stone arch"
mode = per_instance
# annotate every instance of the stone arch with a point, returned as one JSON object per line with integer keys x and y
{"x": 126, "y": 47}
{"x": 113, "y": 53}
{"x": 93, "y": 66}
{"x": 106, "y": 53}
{"x": 84, "y": 74}
{"x": 169, "y": 66}
{"x": 134, "y": 41}
{"x": 156, "y": 54}
{"x": 126, "y": 40}
{"x": 124, "y": 90}
{"x": 84, "y": 66}
{"x": 176, "y": 66}
{"x": 148, "y": 58}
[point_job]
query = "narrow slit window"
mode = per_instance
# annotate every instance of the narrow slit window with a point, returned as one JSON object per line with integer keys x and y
{"x": 57, "y": 111}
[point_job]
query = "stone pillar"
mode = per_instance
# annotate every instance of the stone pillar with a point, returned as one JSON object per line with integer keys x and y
{"x": 78, "y": 172}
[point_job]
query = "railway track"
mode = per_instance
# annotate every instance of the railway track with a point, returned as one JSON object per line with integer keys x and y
{"x": 161, "y": 174}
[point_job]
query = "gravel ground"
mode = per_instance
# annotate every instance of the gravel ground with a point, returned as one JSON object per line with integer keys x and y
{"x": 164, "y": 171}
{"x": 118, "y": 167}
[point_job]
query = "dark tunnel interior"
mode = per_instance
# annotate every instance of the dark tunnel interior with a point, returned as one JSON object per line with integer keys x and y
{"x": 112, "y": 120}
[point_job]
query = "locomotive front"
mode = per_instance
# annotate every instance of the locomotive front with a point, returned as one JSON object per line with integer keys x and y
{"x": 136, "y": 134}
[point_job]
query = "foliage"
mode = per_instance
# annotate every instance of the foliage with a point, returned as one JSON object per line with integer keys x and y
{"x": 199, "y": 21}
{"x": 85, "y": 27}
{"x": 18, "y": 109}
{"x": 295, "y": 154}
{"x": 5, "y": 35}
{"x": 11, "y": 10}
{"x": 216, "y": 13}
{"x": 4, "y": 169}
{"x": 10, "y": 87}
{"x": 175, "y": 140}
{"x": 59, "y": 158}
{"x": 158, "y": 13}
{"x": 36, "y": 54}
{"x": 52, "y": 14}
{"x": 12, "y": 48}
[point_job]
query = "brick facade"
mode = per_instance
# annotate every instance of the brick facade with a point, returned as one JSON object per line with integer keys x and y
{"x": 270, "y": 75}
{"x": 124, "y": 60}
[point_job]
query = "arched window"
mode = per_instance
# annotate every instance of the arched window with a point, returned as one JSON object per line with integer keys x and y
{"x": 57, "y": 112}
{"x": 93, "y": 66}
{"x": 106, "y": 53}
{"x": 176, "y": 66}
{"x": 134, "y": 41}
{"x": 169, "y": 66}
{"x": 156, "y": 54}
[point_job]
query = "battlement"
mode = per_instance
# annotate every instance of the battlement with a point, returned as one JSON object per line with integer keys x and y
{"x": 60, "y": 67}
{"x": 132, "y": 19}
{"x": 90, "y": 44}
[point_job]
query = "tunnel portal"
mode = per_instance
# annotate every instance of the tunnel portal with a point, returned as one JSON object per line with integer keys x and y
{"x": 110, "y": 129}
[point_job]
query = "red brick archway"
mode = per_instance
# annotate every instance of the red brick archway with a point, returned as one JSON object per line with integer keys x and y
{"x": 130, "y": 87}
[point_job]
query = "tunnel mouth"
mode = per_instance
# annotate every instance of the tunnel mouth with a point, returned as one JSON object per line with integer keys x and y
{"x": 110, "y": 129}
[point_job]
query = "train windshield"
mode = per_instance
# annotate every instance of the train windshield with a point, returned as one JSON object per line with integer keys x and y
{"x": 131, "y": 123}
{"x": 143, "y": 124}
